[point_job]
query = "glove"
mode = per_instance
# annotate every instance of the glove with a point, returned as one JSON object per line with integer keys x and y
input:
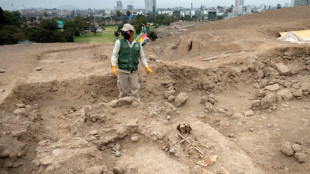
{"x": 114, "y": 71}
{"x": 148, "y": 70}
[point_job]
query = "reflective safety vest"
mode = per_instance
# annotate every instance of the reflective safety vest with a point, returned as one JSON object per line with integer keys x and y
{"x": 128, "y": 57}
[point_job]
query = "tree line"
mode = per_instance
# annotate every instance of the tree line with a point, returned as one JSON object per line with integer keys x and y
{"x": 13, "y": 31}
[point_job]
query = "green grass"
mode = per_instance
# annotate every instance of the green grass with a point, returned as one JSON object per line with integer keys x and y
{"x": 106, "y": 36}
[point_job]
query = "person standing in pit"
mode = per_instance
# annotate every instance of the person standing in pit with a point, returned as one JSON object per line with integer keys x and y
{"x": 125, "y": 60}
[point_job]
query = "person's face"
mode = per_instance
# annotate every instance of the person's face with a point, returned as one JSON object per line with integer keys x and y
{"x": 129, "y": 32}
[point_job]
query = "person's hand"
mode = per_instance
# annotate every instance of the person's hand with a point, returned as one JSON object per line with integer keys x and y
{"x": 148, "y": 70}
{"x": 115, "y": 71}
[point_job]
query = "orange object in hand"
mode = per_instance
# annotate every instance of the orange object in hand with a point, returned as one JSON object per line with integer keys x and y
{"x": 115, "y": 71}
{"x": 148, "y": 70}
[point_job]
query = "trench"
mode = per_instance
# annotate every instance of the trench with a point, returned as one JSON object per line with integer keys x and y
{"x": 55, "y": 99}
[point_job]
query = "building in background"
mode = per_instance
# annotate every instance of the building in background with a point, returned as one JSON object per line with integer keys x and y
{"x": 130, "y": 7}
{"x": 237, "y": 8}
{"x": 150, "y": 5}
{"x": 300, "y": 3}
{"x": 119, "y": 5}
{"x": 241, "y": 2}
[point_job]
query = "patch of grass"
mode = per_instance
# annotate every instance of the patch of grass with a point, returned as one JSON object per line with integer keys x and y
{"x": 105, "y": 36}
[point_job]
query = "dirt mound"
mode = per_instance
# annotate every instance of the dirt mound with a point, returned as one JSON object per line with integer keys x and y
{"x": 246, "y": 33}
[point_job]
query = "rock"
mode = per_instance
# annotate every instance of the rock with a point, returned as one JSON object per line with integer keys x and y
{"x": 113, "y": 111}
{"x": 117, "y": 147}
{"x": 27, "y": 123}
{"x": 153, "y": 57}
{"x": 274, "y": 87}
{"x": 94, "y": 132}
{"x": 203, "y": 100}
{"x": 239, "y": 124}
{"x": 269, "y": 125}
{"x": 171, "y": 151}
{"x": 300, "y": 157}
{"x": 5, "y": 154}
{"x": 28, "y": 108}
{"x": 286, "y": 148}
{"x": 285, "y": 94}
{"x": 248, "y": 113}
{"x": 167, "y": 94}
{"x": 134, "y": 138}
{"x": 21, "y": 105}
{"x": 251, "y": 130}
{"x": 237, "y": 115}
{"x": 231, "y": 135}
{"x": 212, "y": 99}
{"x": 298, "y": 93}
{"x": 2, "y": 71}
{"x": 255, "y": 103}
{"x": 268, "y": 100}
{"x": 283, "y": 70}
{"x": 38, "y": 69}
{"x": 117, "y": 153}
{"x": 296, "y": 147}
{"x": 20, "y": 111}
{"x": 121, "y": 102}
{"x": 117, "y": 170}
{"x": 181, "y": 99}
{"x": 2, "y": 90}
{"x": 171, "y": 98}
{"x": 261, "y": 93}
{"x": 20, "y": 154}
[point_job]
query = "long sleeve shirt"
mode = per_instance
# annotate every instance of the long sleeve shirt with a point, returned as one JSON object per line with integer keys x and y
{"x": 115, "y": 55}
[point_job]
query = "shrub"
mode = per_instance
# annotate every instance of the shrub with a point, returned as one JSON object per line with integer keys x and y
{"x": 152, "y": 35}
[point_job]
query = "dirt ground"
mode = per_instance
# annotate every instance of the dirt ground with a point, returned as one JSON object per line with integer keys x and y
{"x": 244, "y": 93}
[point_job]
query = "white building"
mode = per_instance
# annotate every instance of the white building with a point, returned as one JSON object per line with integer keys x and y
{"x": 119, "y": 5}
{"x": 150, "y": 5}
{"x": 237, "y": 8}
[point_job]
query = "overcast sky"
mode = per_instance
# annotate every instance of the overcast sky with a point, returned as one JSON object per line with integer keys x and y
{"x": 110, "y": 4}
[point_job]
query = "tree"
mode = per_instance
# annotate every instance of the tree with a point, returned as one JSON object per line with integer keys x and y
{"x": 118, "y": 14}
{"x": 80, "y": 23}
{"x": 128, "y": 13}
{"x": 138, "y": 23}
{"x": 94, "y": 30}
{"x": 49, "y": 24}
{"x": 176, "y": 14}
{"x": 9, "y": 18}
{"x": 1, "y": 17}
{"x": 45, "y": 14}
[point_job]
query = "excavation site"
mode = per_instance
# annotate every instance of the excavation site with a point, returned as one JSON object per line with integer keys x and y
{"x": 243, "y": 92}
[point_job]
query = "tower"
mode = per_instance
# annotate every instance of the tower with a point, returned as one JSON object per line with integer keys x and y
{"x": 119, "y": 5}
{"x": 150, "y": 5}
{"x": 237, "y": 8}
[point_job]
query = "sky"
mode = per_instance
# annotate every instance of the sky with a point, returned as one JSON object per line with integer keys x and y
{"x": 110, "y": 4}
